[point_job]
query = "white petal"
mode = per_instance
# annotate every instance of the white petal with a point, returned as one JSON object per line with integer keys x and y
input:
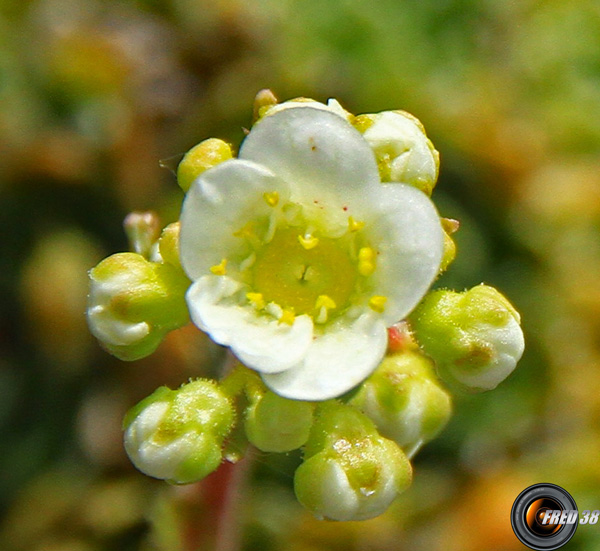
{"x": 335, "y": 362}
{"x": 339, "y": 500}
{"x": 219, "y": 203}
{"x": 333, "y": 106}
{"x": 105, "y": 326}
{"x": 259, "y": 341}
{"x": 160, "y": 460}
{"x": 508, "y": 344}
{"x": 406, "y": 231}
{"x": 401, "y": 137}
{"x": 322, "y": 157}
{"x": 377, "y": 503}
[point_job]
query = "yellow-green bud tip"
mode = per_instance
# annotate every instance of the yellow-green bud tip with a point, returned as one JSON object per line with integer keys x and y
{"x": 203, "y": 156}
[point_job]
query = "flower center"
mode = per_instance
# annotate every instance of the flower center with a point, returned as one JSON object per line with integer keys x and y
{"x": 288, "y": 271}
{"x": 295, "y": 272}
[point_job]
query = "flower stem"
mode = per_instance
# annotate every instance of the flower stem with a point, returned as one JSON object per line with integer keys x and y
{"x": 228, "y": 535}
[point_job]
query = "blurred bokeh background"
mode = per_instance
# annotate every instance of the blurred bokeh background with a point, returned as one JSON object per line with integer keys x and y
{"x": 94, "y": 93}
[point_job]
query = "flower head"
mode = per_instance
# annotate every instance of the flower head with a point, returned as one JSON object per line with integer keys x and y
{"x": 300, "y": 257}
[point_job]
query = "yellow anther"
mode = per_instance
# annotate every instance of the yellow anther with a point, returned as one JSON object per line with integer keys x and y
{"x": 256, "y": 299}
{"x": 308, "y": 241}
{"x": 377, "y": 303}
{"x": 271, "y": 198}
{"x": 219, "y": 269}
{"x": 323, "y": 301}
{"x": 366, "y": 253}
{"x": 366, "y": 267}
{"x": 366, "y": 261}
{"x": 246, "y": 231}
{"x": 287, "y": 317}
{"x": 355, "y": 225}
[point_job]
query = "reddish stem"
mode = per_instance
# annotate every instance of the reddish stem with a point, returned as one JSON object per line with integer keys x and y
{"x": 212, "y": 514}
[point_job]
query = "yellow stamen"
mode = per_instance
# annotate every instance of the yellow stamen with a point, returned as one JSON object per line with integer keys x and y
{"x": 219, "y": 269}
{"x": 247, "y": 262}
{"x": 355, "y": 225}
{"x": 287, "y": 316}
{"x": 377, "y": 303}
{"x": 271, "y": 229}
{"x": 366, "y": 253}
{"x": 323, "y": 305}
{"x": 246, "y": 231}
{"x": 271, "y": 198}
{"x": 366, "y": 261}
{"x": 308, "y": 241}
{"x": 256, "y": 299}
{"x": 366, "y": 268}
{"x": 323, "y": 301}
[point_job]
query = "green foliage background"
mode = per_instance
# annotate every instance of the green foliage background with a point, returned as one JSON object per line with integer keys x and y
{"x": 94, "y": 93}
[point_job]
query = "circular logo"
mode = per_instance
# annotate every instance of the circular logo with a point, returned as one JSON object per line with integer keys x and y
{"x": 544, "y": 517}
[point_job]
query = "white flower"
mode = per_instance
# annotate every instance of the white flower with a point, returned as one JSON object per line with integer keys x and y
{"x": 299, "y": 256}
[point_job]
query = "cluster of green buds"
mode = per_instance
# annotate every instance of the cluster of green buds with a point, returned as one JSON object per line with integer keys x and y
{"x": 347, "y": 365}
{"x": 349, "y": 471}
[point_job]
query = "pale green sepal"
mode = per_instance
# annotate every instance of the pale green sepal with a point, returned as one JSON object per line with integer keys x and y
{"x": 276, "y": 424}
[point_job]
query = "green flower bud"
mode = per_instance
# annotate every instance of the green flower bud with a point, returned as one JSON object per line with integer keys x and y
{"x": 405, "y": 401}
{"x": 276, "y": 424}
{"x": 262, "y": 102}
{"x": 177, "y": 435}
{"x": 349, "y": 471}
{"x": 403, "y": 151}
{"x": 474, "y": 337}
{"x": 201, "y": 157}
{"x": 133, "y": 303}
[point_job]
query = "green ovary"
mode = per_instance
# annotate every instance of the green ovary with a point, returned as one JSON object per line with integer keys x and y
{"x": 294, "y": 277}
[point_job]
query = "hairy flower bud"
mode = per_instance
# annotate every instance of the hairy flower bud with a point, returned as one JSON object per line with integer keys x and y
{"x": 133, "y": 303}
{"x": 276, "y": 424}
{"x": 205, "y": 155}
{"x": 474, "y": 337}
{"x": 405, "y": 401}
{"x": 177, "y": 435}
{"x": 349, "y": 471}
{"x": 403, "y": 151}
